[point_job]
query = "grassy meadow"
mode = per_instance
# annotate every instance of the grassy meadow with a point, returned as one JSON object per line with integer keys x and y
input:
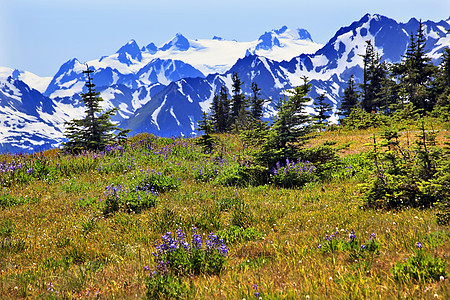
{"x": 85, "y": 226}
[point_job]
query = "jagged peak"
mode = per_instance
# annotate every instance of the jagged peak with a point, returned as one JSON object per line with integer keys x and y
{"x": 151, "y": 48}
{"x": 179, "y": 42}
{"x": 281, "y": 30}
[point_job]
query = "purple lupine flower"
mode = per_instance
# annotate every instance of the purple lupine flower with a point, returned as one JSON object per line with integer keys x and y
{"x": 223, "y": 250}
{"x": 257, "y": 293}
{"x": 352, "y": 236}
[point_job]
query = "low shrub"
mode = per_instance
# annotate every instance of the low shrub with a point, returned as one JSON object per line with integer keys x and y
{"x": 154, "y": 181}
{"x": 360, "y": 119}
{"x": 421, "y": 268}
{"x": 237, "y": 175}
{"x": 7, "y": 200}
{"x": 175, "y": 257}
{"x": 133, "y": 200}
{"x": 293, "y": 174}
{"x": 352, "y": 245}
{"x": 236, "y": 234}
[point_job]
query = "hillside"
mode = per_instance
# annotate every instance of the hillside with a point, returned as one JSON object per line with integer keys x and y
{"x": 86, "y": 226}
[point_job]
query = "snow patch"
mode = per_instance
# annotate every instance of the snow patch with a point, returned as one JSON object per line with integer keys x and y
{"x": 156, "y": 112}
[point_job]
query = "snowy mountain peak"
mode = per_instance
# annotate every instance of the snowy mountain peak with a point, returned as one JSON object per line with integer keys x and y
{"x": 297, "y": 34}
{"x": 130, "y": 49}
{"x": 267, "y": 41}
{"x": 179, "y": 42}
{"x": 281, "y": 37}
{"x": 150, "y": 48}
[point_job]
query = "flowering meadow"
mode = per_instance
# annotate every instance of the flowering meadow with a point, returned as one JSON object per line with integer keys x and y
{"x": 158, "y": 218}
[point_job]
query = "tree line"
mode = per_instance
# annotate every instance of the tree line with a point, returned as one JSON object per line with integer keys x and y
{"x": 414, "y": 83}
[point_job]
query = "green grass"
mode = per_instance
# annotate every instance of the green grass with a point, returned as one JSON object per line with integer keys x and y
{"x": 55, "y": 240}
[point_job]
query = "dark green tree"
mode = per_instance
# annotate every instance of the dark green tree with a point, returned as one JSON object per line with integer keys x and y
{"x": 441, "y": 87}
{"x": 322, "y": 110}
{"x": 375, "y": 73}
{"x": 256, "y": 103}
{"x": 220, "y": 111}
{"x": 244, "y": 119}
{"x": 95, "y": 131}
{"x": 350, "y": 99}
{"x": 388, "y": 96}
{"x": 290, "y": 130}
{"x": 206, "y": 140}
{"x": 415, "y": 72}
{"x": 237, "y": 98}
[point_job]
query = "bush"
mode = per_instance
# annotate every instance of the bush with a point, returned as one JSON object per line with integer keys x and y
{"x": 131, "y": 201}
{"x": 9, "y": 200}
{"x": 293, "y": 174}
{"x": 165, "y": 286}
{"x": 237, "y": 175}
{"x": 176, "y": 256}
{"x": 236, "y": 234}
{"x": 360, "y": 119}
{"x": 422, "y": 268}
{"x": 324, "y": 158}
{"x": 410, "y": 177}
{"x": 155, "y": 182}
{"x": 351, "y": 245}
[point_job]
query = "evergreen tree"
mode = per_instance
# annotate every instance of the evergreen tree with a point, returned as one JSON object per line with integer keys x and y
{"x": 244, "y": 118}
{"x": 256, "y": 103}
{"x": 206, "y": 140}
{"x": 95, "y": 131}
{"x": 217, "y": 117}
{"x": 440, "y": 92}
{"x": 375, "y": 73}
{"x": 322, "y": 110}
{"x": 237, "y": 98}
{"x": 220, "y": 111}
{"x": 350, "y": 100}
{"x": 389, "y": 93}
{"x": 441, "y": 84}
{"x": 368, "y": 59}
{"x": 414, "y": 73}
{"x": 225, "y": 102}
{"x": 290, "y": 130}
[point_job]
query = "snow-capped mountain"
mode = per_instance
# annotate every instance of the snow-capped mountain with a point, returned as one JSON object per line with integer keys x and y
{"x": 33, "y": 81}
{"x": 178, "y": 58}
{"x": 328, "y": 71}
{"x": 28, "y": 120}
{"x": 165, "y": 89}
{"x": 219, "y": 55}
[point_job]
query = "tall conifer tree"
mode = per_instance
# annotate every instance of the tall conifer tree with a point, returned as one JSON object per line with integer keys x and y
{"x": 415, "y": 72}
{"x": 290, "y": 129}
{"x": 322, "y": 109}
{"x": 375, "y": 73}
{"x": 350, "y": 99}
{"x": 95, "y": 131}
{"x": 237, "y": 99}
{"x": 256, "y": 103}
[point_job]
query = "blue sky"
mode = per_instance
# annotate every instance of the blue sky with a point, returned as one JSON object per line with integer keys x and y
{"x": 40, "y": 35}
